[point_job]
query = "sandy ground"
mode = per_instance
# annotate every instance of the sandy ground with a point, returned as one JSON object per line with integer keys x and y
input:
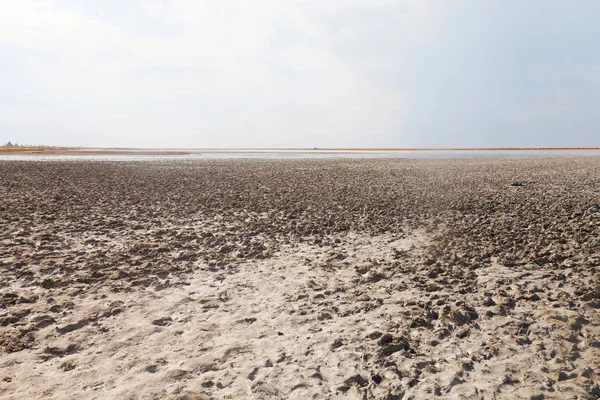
{"x": 364, "y": 279}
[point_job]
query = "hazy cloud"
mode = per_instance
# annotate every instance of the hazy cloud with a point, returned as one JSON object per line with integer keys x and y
{"x": 298, "y": 73}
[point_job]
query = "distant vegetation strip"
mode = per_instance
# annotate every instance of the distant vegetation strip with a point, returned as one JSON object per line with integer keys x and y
{"x": 32, "y": 148}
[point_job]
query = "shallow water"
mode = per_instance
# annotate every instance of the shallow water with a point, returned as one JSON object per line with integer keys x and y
{"x": 308, "y": 154}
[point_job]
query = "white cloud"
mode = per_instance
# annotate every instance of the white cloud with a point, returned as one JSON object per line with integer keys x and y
{"x": 222, "y": 50}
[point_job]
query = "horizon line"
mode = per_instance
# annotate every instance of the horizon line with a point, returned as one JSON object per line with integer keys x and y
{"x": 342, "y": 148}
{"x": 73, "y": 149}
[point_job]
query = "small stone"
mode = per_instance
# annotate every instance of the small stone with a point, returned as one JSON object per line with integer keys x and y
{"x": 152, "y": 369}
{"x": 374, "y": 335}
{"x": 337, "y": 344}
{"x": 162, "y": 321}
{"x": 562, "y": 376}
{"x": 489, "y": 302}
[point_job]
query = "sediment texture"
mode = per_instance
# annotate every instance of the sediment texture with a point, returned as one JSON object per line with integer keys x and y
{"x": 368, "y": 279}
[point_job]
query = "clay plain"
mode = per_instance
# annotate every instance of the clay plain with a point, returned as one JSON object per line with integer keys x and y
{"x": 300, "y": 279}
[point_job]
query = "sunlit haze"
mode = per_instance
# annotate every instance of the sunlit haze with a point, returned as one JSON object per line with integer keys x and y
{"x": 329, "y": 73}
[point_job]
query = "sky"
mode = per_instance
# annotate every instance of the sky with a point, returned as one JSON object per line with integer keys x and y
{"x": 300, "y": 73}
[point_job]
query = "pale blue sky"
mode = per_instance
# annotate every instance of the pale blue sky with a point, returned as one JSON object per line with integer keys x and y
{"x": 273, "y": 73}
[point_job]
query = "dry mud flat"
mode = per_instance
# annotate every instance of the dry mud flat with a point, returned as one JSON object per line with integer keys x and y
{"x": 365, "y": 279}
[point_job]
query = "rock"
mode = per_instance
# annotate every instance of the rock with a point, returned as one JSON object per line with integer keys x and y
{"x": 355, "y": 380}
{"x": 391, "y": 344}
{"x": 337, "y": 344}
{"x": 9, "y": 320}
{"x": 489, "y": 302}
{"x": 51, "y": 352}
{"x": 162, "y": 321}
{"x": 374, "y": 335}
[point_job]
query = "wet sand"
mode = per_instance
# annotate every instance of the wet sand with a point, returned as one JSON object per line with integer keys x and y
{"x": 302, "y": 279}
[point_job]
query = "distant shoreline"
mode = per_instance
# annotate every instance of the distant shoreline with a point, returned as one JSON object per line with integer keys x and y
{"x": 187, "y": 151}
